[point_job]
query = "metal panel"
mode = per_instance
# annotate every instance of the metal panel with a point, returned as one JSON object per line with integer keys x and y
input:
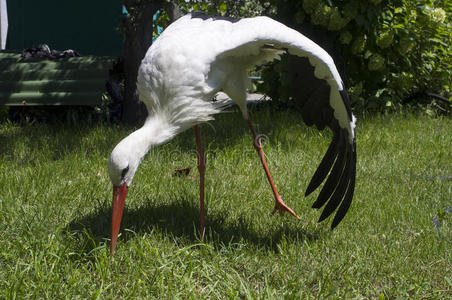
{"x": 71, "y": 81}
{"x": 46, "y": 86}
{"x": 33, "y": 99}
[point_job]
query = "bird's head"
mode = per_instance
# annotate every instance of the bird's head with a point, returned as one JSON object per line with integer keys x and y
{"x": 125, "y": 159}
{"x": 122, "y": 165}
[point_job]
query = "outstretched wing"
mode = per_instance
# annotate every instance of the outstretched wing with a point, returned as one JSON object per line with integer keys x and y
{"x": 257, "y": 40}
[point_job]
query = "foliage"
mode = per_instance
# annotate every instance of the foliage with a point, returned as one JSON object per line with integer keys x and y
{"x": 236, "y": 9}
{"x": 392, "y": 48}
{"x": 388, "y": 50}
{"x": 231, "y": 8}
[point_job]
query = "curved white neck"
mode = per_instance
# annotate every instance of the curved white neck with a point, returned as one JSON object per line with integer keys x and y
{"x": 154, "y": 132}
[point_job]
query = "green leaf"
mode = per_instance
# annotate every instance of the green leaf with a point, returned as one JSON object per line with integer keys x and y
{"x": 223, "y": 7}
{"x": 380, "y": 92}
{"x": 398, "y": 26}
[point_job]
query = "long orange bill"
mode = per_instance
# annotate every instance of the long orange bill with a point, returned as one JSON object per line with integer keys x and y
{"x": 119, "y": 197}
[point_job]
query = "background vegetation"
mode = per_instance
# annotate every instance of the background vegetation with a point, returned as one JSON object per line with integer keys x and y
{"x": 388, "y": 51}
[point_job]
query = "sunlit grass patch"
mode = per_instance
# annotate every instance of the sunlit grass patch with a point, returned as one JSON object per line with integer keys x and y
{"x": 55, "y": 204}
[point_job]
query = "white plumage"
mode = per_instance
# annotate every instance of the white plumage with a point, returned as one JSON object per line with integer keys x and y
{"x": 198, "y": 56}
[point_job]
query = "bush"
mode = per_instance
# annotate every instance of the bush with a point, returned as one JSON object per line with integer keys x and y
{"x": 231, "y": 8}
{"x": 391, "y": 49}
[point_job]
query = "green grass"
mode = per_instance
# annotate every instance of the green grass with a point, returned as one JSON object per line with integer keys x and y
{"x": 55, "y": 204}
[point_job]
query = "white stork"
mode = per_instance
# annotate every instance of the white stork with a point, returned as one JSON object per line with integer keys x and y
{"x": 198, "y": 56}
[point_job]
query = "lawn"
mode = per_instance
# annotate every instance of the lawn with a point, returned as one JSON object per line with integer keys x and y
{"x": 55, "y": 204}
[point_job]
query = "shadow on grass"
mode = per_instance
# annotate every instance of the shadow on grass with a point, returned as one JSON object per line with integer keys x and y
{"x": 180, "y": 219}
{"x": 60, "y": 139}
{"x": 57, "y": 140}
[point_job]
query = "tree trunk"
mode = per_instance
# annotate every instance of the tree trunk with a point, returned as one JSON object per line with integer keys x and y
{"x": 174, "y": 11}
{"x": 138, "y": 39}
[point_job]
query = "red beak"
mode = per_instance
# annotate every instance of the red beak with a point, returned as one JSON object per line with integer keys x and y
{"x": 119, "y": 197}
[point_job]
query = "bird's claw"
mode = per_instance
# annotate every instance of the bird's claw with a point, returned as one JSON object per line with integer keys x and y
{"x": 281, "y": 207}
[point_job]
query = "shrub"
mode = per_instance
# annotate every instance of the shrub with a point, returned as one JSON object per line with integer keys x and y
{"x": 391, "y": 49}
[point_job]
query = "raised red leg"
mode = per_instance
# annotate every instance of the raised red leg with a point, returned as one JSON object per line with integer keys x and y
{"x": 202, "y": 172}
{"x": 279, "y": 203}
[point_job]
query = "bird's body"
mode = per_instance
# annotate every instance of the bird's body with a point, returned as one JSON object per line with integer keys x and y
{"x": 196, "y": 57}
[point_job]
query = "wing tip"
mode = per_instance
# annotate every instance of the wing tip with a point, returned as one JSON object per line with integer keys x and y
{"x": 339, "y": 192}
{"x": 348, "y": 197}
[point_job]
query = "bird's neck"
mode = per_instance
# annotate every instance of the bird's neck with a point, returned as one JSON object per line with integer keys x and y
{"x": 154, "y": 132}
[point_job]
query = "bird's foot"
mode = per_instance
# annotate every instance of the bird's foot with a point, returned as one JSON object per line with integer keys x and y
{"x": 281, "y": 207}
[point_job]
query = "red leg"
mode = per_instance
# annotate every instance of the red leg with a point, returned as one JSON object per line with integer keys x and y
{"x": 279, "y": 203}
{"x": 202, "y": 172}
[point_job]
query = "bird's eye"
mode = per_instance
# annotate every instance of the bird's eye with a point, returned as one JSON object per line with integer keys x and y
{"x": 124, "y": 172}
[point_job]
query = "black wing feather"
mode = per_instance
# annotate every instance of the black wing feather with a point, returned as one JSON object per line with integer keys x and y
{"x": 349, "y": 195}
{"x": 334, "y": 177}
{"x": 325, "y": 165}
{"x": 340, "y": 185}
{"x": 340, "y": 190}
{"x": 311, "y": 104}
{"x": 338, "y": 165}
{"x": 308, "y": 103}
